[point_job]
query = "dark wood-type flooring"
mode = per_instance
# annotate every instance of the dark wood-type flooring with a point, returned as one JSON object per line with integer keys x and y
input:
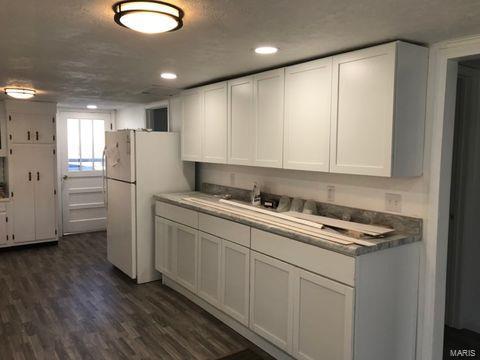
{"x": 68, "y": 302}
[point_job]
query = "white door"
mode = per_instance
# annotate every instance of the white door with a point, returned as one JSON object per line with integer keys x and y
{"x": 81, "y": 141}
{"x": 121, "y": 234}
{"x": 235, "y": 270}
{"x": 308, "y": 94}
{"x": 271, "y": 299}
{"x": 192, "y": 125}
{"x": 241, "y": 122}
{"x": 362, "y": 111}
{"x": 186, "y": 256}
{"x": 209, "y": 256}
{"x": 215, "y": 123}
{"x": 22, "y": 193}
{"x": 323, "y": 318}
{"x": 269, "y": 113}
{"x": 44, "y": 161}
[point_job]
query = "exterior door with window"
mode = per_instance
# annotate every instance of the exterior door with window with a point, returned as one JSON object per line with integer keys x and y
{"x": 81, "y": 144}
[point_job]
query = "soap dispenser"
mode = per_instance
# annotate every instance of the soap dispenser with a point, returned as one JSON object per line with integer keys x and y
{"x": 256, "y": 199}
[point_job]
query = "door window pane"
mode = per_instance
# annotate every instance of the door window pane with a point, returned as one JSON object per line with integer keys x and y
{"x": 86, "y": 140}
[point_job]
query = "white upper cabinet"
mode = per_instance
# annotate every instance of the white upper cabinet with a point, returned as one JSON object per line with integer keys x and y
{"x": 240, "y": 121}
{"x": 268, "y": 90}
{"x": 308, "y": 90}
{"x": 378, "y": 110}
{"x": 215, "y": 123}
{"x": 192, "y": 125}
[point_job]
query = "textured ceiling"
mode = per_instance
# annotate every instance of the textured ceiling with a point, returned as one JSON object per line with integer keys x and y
{"x": 73, "y": 52}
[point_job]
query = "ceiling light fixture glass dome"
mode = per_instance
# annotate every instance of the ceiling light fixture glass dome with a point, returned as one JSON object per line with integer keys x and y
{"x": 20, "y": 93}
{"x": 150, "y": 17}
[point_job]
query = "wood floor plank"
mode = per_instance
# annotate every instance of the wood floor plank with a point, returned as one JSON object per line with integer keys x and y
{"x": 68, "y": 302}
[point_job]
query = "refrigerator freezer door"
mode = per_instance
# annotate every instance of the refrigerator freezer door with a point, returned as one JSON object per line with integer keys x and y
{"x": 121, "y": 227}
{"x": 120, "y": 154}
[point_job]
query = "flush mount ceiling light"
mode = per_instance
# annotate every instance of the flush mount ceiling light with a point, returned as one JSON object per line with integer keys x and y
{"x": 20, "y": 93}
{"x": 92, "y": 107}
{"x": 149, "y": 17}
{"x": 168, "y": 76}
{"x": 266, "y": 50}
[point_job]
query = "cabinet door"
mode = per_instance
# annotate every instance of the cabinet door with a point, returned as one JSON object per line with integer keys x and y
{"x": 165, "y": 248}
{"x": 271, "y": 299}
{"x": 269, "y": 114}
{"x": 44, "y": 184}
{"x": 215, "y": 123}
{"x": 186, "y": 256}
{"x": 241, "y": 122}
{"x": 3, "y": 228}
{"x": 209, "y": 256}
{"x": 20, "y": 127}
{"x": 308, "y": 94}
{"x": 43, "y": 130}
{"x": 323, "y": 318}
{"x": 362, "y": 111}
{"x": 22, "y": 191}
{"x": 235, "y": 281}
{"x": 192, "y": 125}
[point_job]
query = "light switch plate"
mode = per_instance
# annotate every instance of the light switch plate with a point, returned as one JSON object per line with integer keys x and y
{"x": 393, "y": 202}
{"x": 331, "y": 193}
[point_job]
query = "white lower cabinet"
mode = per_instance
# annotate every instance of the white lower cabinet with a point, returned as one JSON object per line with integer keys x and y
{"x": 3, "y": 228}
{"x": 186, "y": 256}
{"x": 322, "y": 318}
{"x": 271, "y": 299}
{"x": 209, "y": 261}
{"x": 235, "y": 270}
{"x": 165, "y": 246}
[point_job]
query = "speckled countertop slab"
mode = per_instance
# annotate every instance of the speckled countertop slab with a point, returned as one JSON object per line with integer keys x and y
{"x": 395, "y": 239}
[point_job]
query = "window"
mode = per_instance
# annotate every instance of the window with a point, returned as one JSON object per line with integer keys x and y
{"x": 86, "y": 140}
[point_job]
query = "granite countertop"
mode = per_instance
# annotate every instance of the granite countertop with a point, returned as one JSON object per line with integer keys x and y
{"x": 394, "y": 239}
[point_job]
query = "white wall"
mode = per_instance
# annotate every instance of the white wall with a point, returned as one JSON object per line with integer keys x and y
{"x": 356, "y": 191}
{"x": 134, "y": 116}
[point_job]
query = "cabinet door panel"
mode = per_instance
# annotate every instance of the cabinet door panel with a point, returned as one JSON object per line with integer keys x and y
{"x": 271, "y": 299}
{"x": 21, "y": 185}
{"x": 241, "y": 122}
{"x": 210, "y": 252}
{"x": 192, "y": 125}
{"x": 323, "y": 318}
{"x": 215, "y": 123}
{"x": 362, "y": 111}
{"x": 161, "y": 227}
{"x": 44, "y": 130}
{"x": 235, "y": 281}
{"x": 269, "y": 114}
{"x": 186, "y": 256}
{"x": 20, "y": 128}
{"x": 308, "y": 93}
{"x": 44, "y": 183}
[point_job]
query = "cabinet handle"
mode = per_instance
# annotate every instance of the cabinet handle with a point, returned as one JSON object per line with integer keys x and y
{"x": 28, "y": 135}
{"x": 36, "y": 135}
{"x": 38, "y": 176}
{"x": 29, "y": 176}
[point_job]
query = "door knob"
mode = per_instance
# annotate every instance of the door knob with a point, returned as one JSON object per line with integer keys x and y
{"x": 65, "y": 177}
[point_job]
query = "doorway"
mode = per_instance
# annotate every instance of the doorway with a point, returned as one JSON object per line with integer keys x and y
{"x": 462, "y": 315}
{"x": 81, "y": 141}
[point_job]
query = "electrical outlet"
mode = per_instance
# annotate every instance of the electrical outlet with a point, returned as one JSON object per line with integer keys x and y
{"x": 232, "y": 179}
{"x": 393, "y": 202}
{"x": 331, "y": 193}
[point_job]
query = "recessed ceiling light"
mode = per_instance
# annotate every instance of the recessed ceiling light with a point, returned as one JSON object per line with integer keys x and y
{"x": 169, "y": 76}
{"x": 149, "y": 17}
{"x": 266, "y": 50}
{"x": 20, "y": 93}
{"x": 92, "y": 107}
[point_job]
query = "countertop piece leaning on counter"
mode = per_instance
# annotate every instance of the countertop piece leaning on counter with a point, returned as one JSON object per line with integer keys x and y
{"x": 407, "y": 229}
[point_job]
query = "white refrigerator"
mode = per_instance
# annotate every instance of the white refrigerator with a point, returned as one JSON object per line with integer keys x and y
{"x": 140, "y": 164}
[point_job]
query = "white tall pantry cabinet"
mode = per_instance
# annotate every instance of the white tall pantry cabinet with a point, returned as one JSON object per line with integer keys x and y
{"x": 32, "y": 171}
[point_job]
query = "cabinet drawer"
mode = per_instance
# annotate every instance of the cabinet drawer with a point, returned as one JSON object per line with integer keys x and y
{"x": 177, "y": 214}
{"x": 324, "y": 262}
{"x": 225, "y": 229}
